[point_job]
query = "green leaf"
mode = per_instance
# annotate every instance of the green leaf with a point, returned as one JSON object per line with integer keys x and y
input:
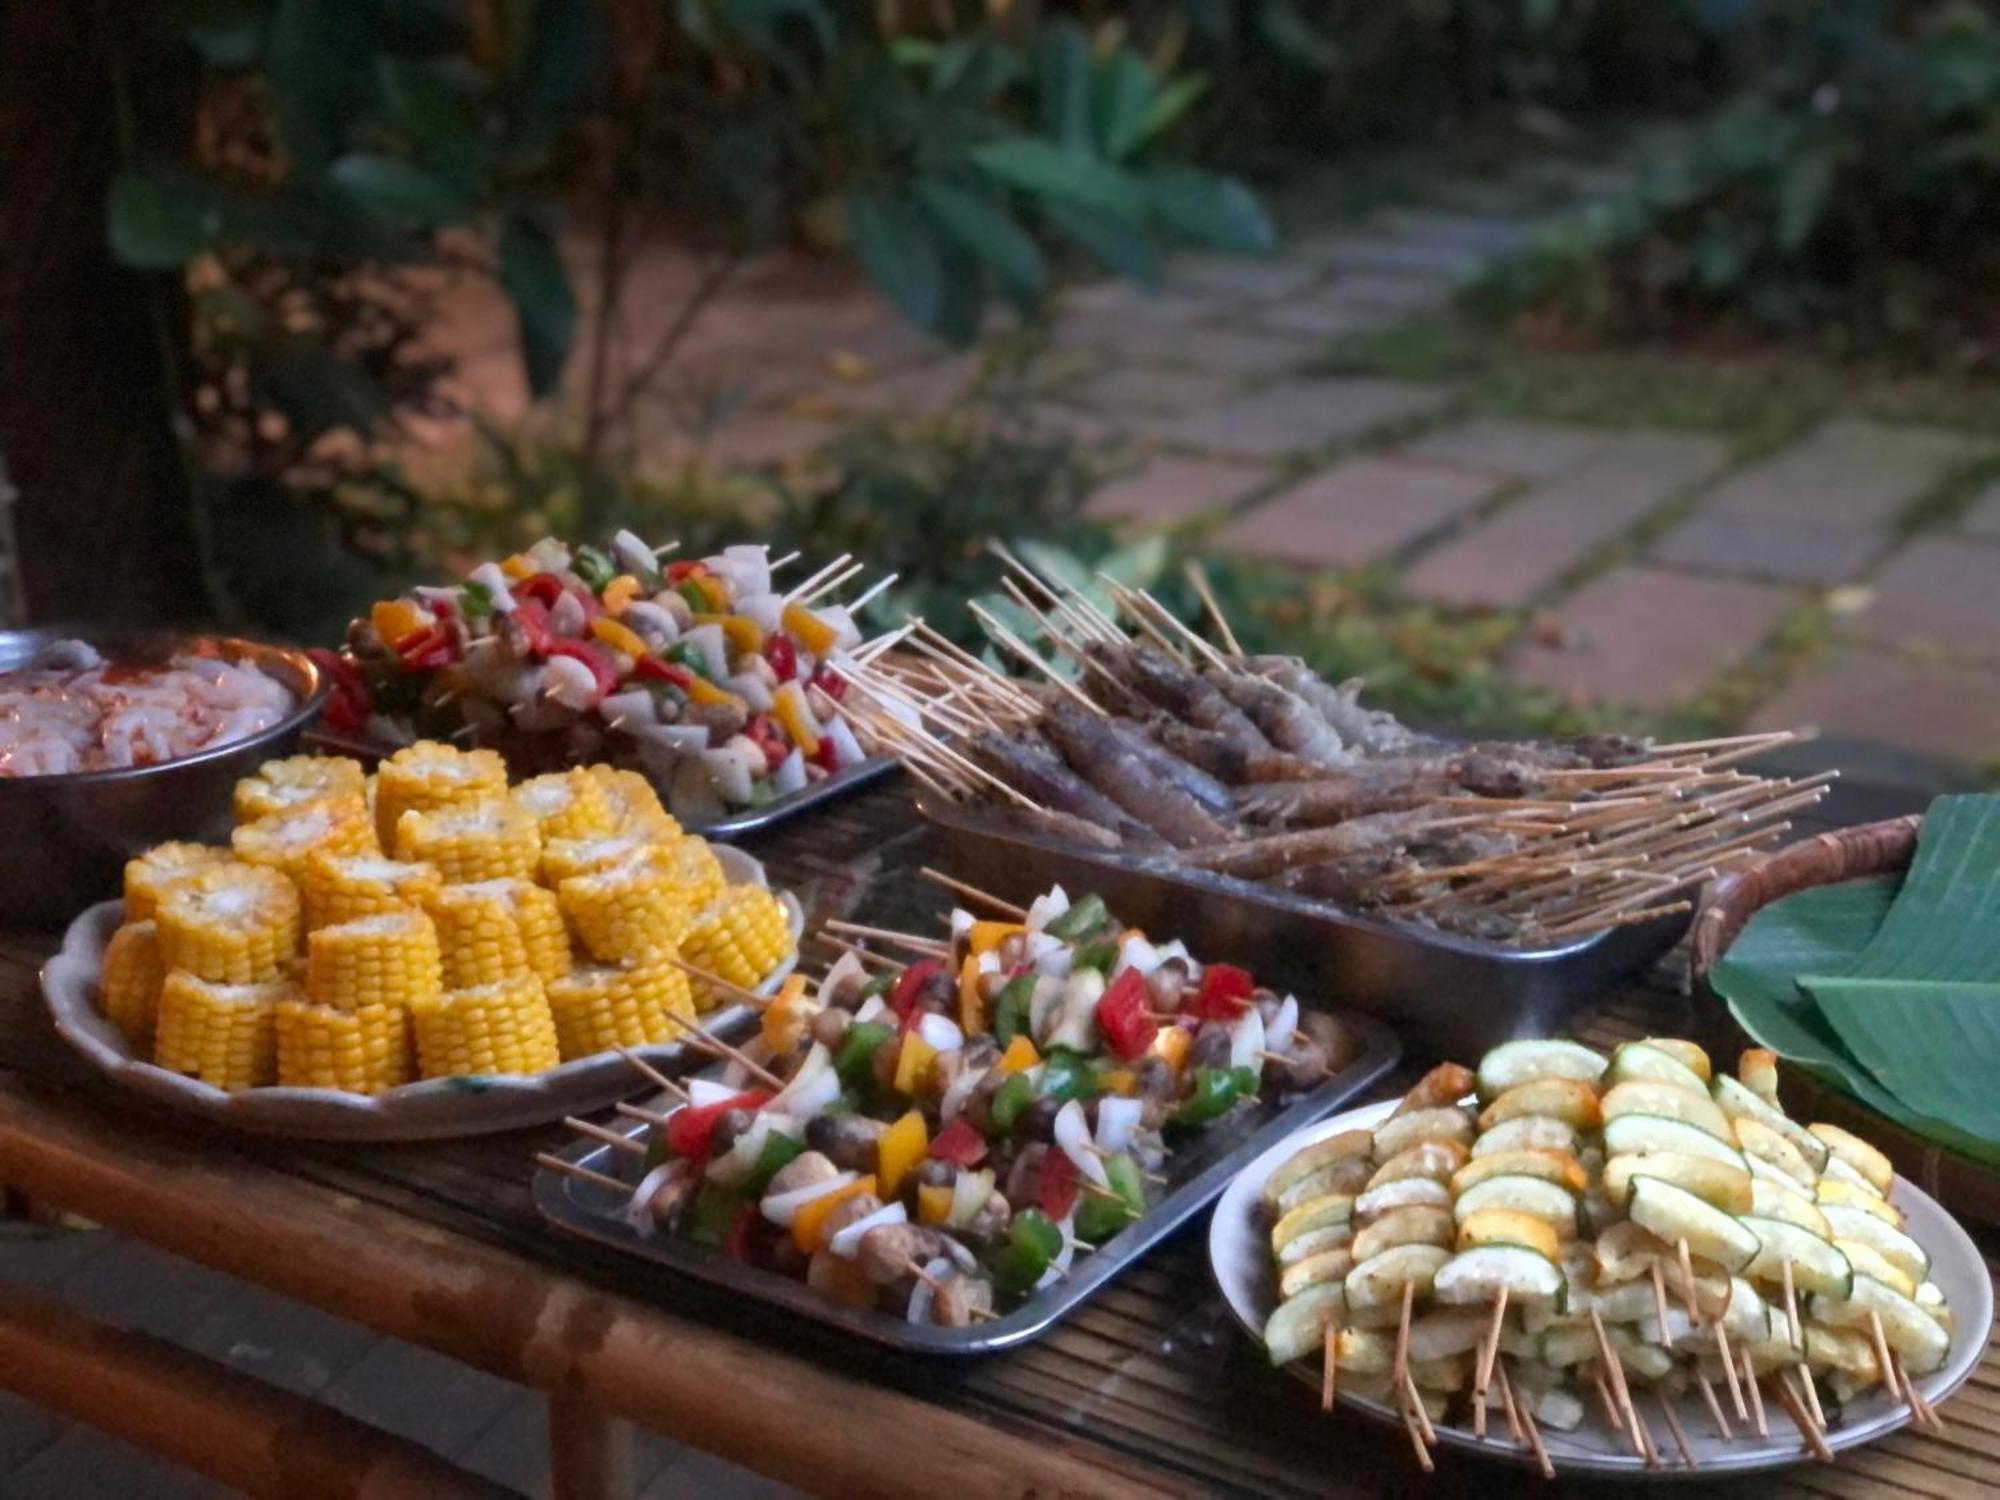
{"x": 899, "y": 251}
{"x": 227, "y": 33}
{"x": 1113, "y": 243}
{"x": 1048, "y": 171}
{"x": 320, "y": 63}
{"x": 564, "y": 54}
{"x": 535, "y": 280}
{"x": 161, "y": 223}
{"x": 1217, "y": 211}
{"x": 1294, "y": 38}
{"x": 1124, "y": 99}
{"x": 398, "y": 191}
{"x": 1139, "y": 564}
{"x": 990, "y": 233}
{"x": 1063, "y": 74}
{"x": 423, "y": 101}
{"x": 1174, "y": 101}
{"x": 762, "y": 17}
{"x": 1802, "y": 197}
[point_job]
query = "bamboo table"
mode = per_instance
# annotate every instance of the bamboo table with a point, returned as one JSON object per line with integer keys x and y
{"x": 1149, "y": 1388}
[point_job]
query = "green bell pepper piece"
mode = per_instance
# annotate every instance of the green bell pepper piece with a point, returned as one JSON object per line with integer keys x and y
{"x": 1011, "y": 1008}
{"x": 1098, "y": 956}
{"x": 1033, "y": 1241}
{"x": 1083, "y": 916}
{"x": 1009, "y": 1100}
{"x": 594, "y": 567}
{"x": 778, "y": 1149}
{"x": 1214, "y": 1094}
{"x": 1069, "y": 1075}
{"x": 713, "y": 1211}
{"x": 858, "y": 1048}
{"x": 1099, "y": 1218}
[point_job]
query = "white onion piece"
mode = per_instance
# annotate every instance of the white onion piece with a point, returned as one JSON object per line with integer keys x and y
{"x": 782, "y": 1208}
{"x": 941, "y": 1032}
{"x": 730, "y": 773}
{"x": 633, "y": 554}
{"x": 1138, "y": 954}
{"x": 846, "y": 967}
{"x": 1280, "y": 1029}
{"x": 567, "y": 681}
{"x": 1044, "y": 1001}
{"x": 1046, "y": 908}
{"x": 752, "y": 561}
{"x": 969, "y": 1194}
{"x": 790, "y": 775}
{"x": 1246, "y": 1041}
{"x": 1117, "y": 1119}
{"x": 766, "y": 609}
{"x": 734, "y": 1164}
{"x": 923, "y": 1296}
{"x": 1059, "y": 1266}
{"x": 818, "y": 1061}
{"x": 961, "y": 923}
{"x": 847, "y": 1244}
{"x": 499, "y": 590}
{"x": 989, "y": 961}
{"x": 1177, "y": 949}
{"x": 1056, "y": 962}
{"x": 633, "y": 708}
{"x": 676, "y": 739}
{"x": 703, "y": 1091}
{"x": 639, "y": 1212}
{"x": 871, "y": 1008}
{"x": 652, "y": 622}
{"x": 714, "y": 649}
{"x": 566, "y": 616}
{"x": 1072, "y": 1137}
{"x": 847, "y": 749}
{"x": 953, "y": 1104}
{"x": 751, "y": 689}
{"x": 816, "y": 1098}
{"x": 838, "y": 619}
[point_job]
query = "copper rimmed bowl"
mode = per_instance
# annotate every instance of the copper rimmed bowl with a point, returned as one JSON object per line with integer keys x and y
{"x": 68, "y": 837}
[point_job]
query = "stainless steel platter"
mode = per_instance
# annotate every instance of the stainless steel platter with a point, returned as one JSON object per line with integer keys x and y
{"x": 1197, "y": 1172}
{"x": 1446, "y": 994}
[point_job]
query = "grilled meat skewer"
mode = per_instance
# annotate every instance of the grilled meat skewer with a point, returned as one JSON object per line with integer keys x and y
{"x": 1288, "y": 721}
{"x": 1371, "y": 731}
{"x": 1090, "y": 746}
{"x": 1032, "y": 767}
{"x": 1258, "y": 858}
{"x": 1186, "y": 695}
{"x": 1227, "y": 758}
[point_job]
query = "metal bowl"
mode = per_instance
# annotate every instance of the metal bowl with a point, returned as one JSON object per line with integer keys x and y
{"x": 68, "y": 837}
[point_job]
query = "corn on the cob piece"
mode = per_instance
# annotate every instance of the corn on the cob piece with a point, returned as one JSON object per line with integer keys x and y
{"x": 341, "y": 887}
{"x": 635, "y": 806}
{"x": 696, "y": 870}
{"x": 597, "y": 1008}
{"x": 223, "y": 1034}
{"x": 389, "y": 959}
{"x": 297, "y": 780}
{"x": 741, "y": 936}
{"x": 486, "y": 840}
{"x": 133, "y": 974}
{"x": 364, "y": 1051}
{"x": 479, "y": 937}
{"x": 427, "y": 776}
{"x": 629, "y": 912}
{"x": 286, "y": 840}
{"x": 566, "y": 805}
{"x": 160, "y": 867}
{"x": 232, "y": 924}
{"x": 538, "y": 916}
{"x": 565, "y": 858}
{"x": 491, "y": 1028}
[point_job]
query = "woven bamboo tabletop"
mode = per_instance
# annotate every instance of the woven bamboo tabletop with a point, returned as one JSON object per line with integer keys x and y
{"x": 1149, "y": 1386}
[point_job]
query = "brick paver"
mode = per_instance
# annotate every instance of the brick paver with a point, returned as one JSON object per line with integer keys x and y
{"x": 1938, "y": 592}
{"x": 1508, "y": 559}
{"x": 1511, "y": 449}
{"x": 1361, "y": 510}
{"x": 1649, "y": 639}
{"x": 1322, "y": 315}
{"x": 1171, "y": 489}
{"x": 1984, "y": 517}
{"x": 1238, "y": 277}
{"x": 1784, "y": 551}
{"x": 1150, "y": 389}
{"x": 1395, "y": 255}
{"x": 1484, "y": 235}
{"x": 1950, "y": 710}
{"x": 1303, "y": 415}
{"x": 1846, "y": 472}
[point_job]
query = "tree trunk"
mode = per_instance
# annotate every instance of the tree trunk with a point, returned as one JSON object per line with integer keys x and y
{"x": 84, "y": 421}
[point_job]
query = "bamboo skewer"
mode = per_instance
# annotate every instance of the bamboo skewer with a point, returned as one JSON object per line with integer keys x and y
{"x": 1197, "y": 577}
{"x": 866, "y": 955}
{"x": 974, "y": 893}
{"x": 1399, "y": 1370}
{"x": 735, "y": 1054}
{"x": 1510, "y": 1407}
{"x": 609, "y": 1137}
{"x": 925, "y": 946}
{"x": 653, "y": 1075}
{"x": 1529, "y": 1426}
{"x": 1756, "y": 1394}
{"x": 1802, "y": 1419}
{"x": 1329, "y": 1372}
{"x": 1715, "y": 1414}
{"x": 1674, "y": 1427}
{"x": 1615, "y": 1373}
{"x": 582, "y": 1174}
{"x": 635, "y": 1112}
{"x": 1412, "y": 1407}
{"x": 1488, "y": 1348}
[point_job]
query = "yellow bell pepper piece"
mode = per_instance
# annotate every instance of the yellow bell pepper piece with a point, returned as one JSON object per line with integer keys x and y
{"x": 788, "y": 705}
{"x": 620, "y": 592}
{"x": 1019, "y": 1056}
{"x": 1119, "y": 1081}
{"x": 701, "y": 690}
{"x": 786, "y": 1017}
{"x": 933, "y": 1204}
{"x": 902, "y": 1146}
{"x": 808, "y": 629}
{"x": 395, "y": 618}
{"x": 1171, "y": 1047}
{"x": 742, "y": 632}
{"x": 986, "y": 936}
{"x": 809, "y": 1223}
{"x": 520, "y": 565}
{"x": 971, "y": 1003}
{"x": 716, "y": 590}
{"x": 619, "y": 637}
{"x": 913, "y": 1062}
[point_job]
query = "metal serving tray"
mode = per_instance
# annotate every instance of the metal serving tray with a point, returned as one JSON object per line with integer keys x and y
{"x": 1446, "y": 995}
{"x": 814, "y": 794}
{"x": 1197, "y": 1173}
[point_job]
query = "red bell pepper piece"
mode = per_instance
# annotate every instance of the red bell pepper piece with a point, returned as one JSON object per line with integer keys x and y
{"x": 543, "y": 588}
{"x": 531, "y": 618}
{"x": 591, "y": 657}
{"x": 831, "y": 683}
{"x": 691, "y": 568}
{"x": 691, "y": 1129}
{"x": 736, "y": 1244}
{"x": 662, "y": 671}
{"x": 826, "y": 755}
{"x": 768, "y": 737}
{"x": 1122, "y": 1019}
{"x": 782, "y": 655}
{"x": 903, "y": 998}
{"x": 1058, "y": 1186}
{"x": 425, "y": 650}
{"x": 349, "y": 703}
{"x": 1224, "y": 994}
{"x": 959, "y": 1144}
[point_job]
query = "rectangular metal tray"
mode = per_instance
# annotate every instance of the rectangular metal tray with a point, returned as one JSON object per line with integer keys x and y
{"x": 1446, "y": 995}
{"x": 1197, "y": 1174}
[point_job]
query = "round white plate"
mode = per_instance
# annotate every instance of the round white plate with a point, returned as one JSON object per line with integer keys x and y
{"x": 434, "y": 1109}
{"x": 1239, "y": 1252}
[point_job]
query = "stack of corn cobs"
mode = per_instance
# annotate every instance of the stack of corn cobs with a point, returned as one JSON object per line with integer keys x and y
{"x": 429, "y": 921}
{"x": 938, "y": 1137}
{"x": 1597, "y": 1230}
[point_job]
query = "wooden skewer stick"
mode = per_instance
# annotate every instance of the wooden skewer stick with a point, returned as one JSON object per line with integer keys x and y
{"x": 608, "y": 1136}
{"x": 1417, "y": 1405}
{"x": 824, "y": 573}
{"x": 721, "y": 985}
{"x": 1660, "y": 1299}
{"x": 1197, "y": 577}
{"x": 1756, "y": 1394}
{"x": 1674, "y": 1427}
{"x": 1894, "y": 1376}
{"x": 979, "y": 1314}
{"x": 636, "y": 1112}
{"x": 1612, "y": 1417}
{"x": 1526, "y": 1412}
{"x": 1488, "y": 1348}
{"x": 1799, "y": 1341}
{"x": 1927, "y": 1416}
{"x": 1510, "y": 1406}
{"x": 736, "y": 1055}
{"x": 860, "y": 601}
{"x": 571, "y": 1169}
{"x": 866, "y": 955}
{"x": 974, "y": 893}
{"x": 926, "y": 946}
{"x": 1707, "y": 1389}
{"x": 1649, "y": 1450}
{"x": 1401, "y": 1367}
{"x": 1329, "y": 1370}
{"x": 1686, "y": 1258}
{"x": 1802, "y": 1419}
{"x": 653, "y": 1075}
{"x": 1615, "y": 1373}
{"x": 1411, "y": 1409}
